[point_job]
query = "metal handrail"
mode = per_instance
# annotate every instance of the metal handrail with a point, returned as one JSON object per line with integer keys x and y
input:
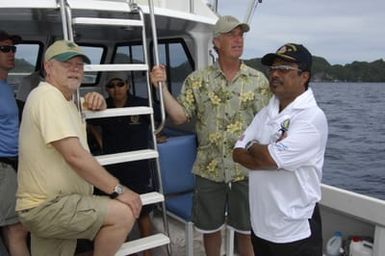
{"x": 66, "y": 17}
{"x": 156, "y": 53}
{"x": 163, "y": 117}
{"x": 62, "y": 5}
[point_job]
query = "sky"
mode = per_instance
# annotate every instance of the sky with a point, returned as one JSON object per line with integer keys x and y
{"x": 341, "y": 31}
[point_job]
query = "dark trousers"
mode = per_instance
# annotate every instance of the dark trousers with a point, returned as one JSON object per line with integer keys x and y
{"x": 13, "y": 161}
{"x": 311, "y": 246}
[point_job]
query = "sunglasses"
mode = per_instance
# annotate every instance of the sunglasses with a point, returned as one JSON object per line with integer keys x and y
{"x": 117, "y": 84}
{"x": 283, "y": 69}
{"x": 8, "y": 48}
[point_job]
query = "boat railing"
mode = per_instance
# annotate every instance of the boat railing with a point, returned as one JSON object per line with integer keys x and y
{"x": 363, "y": 208}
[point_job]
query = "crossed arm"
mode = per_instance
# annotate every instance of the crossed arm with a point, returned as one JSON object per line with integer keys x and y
{"x": 255, "y": 157}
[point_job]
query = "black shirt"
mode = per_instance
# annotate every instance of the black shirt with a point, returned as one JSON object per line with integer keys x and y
{"x": 127, "y": 133}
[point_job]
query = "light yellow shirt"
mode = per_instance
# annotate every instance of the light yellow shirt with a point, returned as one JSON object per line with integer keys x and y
{"x": 43, "y": 173}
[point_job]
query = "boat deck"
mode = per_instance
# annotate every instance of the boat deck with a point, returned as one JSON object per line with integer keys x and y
{"x": 177, "y": 237}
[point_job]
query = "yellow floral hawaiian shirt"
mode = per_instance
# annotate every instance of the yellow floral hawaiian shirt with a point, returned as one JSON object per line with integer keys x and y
{"x": 222, "y": 110}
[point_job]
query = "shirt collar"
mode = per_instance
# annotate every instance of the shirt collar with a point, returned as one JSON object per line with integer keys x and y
{"x": 243, "y": 70}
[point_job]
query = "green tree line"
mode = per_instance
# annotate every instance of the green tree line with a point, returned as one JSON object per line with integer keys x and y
{"x": 322, "y": 71}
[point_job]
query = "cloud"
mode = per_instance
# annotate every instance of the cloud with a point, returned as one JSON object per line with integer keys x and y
{"x": 342, "y": 31}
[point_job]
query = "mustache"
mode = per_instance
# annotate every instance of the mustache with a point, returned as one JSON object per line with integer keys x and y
{"x": 275, "y": 80}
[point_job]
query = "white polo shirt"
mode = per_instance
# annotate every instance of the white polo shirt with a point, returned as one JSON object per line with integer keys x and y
{"x": 282, "y": 201}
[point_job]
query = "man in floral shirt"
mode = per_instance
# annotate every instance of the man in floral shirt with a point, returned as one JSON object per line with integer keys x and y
{"x": 223, "y": 98}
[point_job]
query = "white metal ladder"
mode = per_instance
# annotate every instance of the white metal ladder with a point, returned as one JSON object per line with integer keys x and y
{"x": 68, "y": 21}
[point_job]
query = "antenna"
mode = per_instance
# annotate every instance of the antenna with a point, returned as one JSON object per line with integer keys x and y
{"x": 250, "y": 11}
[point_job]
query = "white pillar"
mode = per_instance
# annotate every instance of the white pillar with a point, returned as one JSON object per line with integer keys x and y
{"x": 379, "y": 241}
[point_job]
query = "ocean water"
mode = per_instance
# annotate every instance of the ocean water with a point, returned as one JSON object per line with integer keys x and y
{"x": 355, "y": 154}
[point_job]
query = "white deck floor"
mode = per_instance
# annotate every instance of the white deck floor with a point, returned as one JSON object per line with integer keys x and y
{"x": 177, "y": 237}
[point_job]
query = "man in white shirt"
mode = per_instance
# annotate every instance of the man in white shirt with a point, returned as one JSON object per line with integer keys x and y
{"x": 284, "y": 149}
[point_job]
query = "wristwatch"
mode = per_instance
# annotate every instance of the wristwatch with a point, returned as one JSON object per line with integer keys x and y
{"x": 250, "y": 144}
{"x": 118, "y": 190}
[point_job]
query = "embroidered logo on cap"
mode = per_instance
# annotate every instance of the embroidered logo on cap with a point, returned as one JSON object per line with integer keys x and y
{"x": 287, "y": 48}
{"x": 71, "y": 45}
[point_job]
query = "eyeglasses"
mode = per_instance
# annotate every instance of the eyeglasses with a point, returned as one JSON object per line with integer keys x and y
{"x": 7, "y": 48}
{"x": 118, "y": 84}
{"x": 283, "y": 69}
{"x": 71, "y": 65}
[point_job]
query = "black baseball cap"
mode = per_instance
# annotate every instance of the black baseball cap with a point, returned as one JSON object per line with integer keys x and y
{"x": 290, "y": 52}
{"x": 5, "y": 36}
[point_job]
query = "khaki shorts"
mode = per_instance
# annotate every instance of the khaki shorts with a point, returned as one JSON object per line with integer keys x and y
{"x": 215, "y": 203}
{"x": 56, "y": 224}
{"x": 8, "y": 187}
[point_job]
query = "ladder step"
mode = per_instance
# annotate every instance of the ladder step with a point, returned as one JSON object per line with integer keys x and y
{"x": 142, "y": 244}
{"x": 114, "y": 112}
{"x": 107, "y": 22}
{"x": 115, "y": 67}
{"x": 151, "y": 198}
{"x": 142, "y": 154}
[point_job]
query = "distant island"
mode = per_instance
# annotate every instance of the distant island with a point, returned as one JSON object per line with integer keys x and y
{"x": 322, "y": 71}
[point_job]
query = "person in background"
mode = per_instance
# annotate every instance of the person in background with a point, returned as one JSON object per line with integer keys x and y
{"x": 284, "y": 149}
{"x": 56, "y": 171}
{"x": 13, "y": 233}
{"x": 223, "y": 98}
{"x": 127, "y": 133}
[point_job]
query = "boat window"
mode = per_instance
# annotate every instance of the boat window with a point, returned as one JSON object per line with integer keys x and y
{"x": 29, "y": 56}
{"x": 178, "y": 60}
{"x": 172, "y": 52}
{"x": 96, "y": 55}
{"x": 26, "y": 62}
{"x": 133, "y": 54}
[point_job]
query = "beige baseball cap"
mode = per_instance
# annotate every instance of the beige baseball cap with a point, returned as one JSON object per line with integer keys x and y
{"x": 64, "y": 50}
{"x": 227, "y": 23}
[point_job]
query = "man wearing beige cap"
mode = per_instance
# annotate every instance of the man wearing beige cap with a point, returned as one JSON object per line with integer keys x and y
{"x": 56, "y": 171}
{"x": 223, "y": 99}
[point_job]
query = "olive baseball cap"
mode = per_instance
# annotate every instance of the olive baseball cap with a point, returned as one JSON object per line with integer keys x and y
{"x": 296, "y": 53}
{"x": 64, "y": 50}
{"x": 227, "y": 23}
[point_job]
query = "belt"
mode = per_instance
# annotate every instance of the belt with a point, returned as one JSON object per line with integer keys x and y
{"x": 10, "y": 160}
{"x": 25, "y": 210}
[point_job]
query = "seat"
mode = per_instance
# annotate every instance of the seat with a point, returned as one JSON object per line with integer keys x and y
{"x": 176, "y": 158}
